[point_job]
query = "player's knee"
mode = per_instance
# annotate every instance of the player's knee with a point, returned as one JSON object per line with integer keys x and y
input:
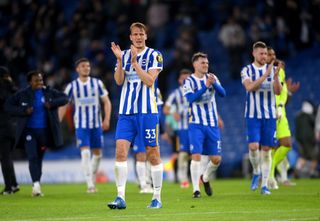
{"x": 154, "y": 157}
{"x": 141, "y": 157}
{"x": 253, "y": 146}
{"x": 216, "y": 160}
{"x": 121, "y": 154}
{"x": 97, "y": 152}
{"x": 196, "y": 157}
{"x": 286, "y": 143}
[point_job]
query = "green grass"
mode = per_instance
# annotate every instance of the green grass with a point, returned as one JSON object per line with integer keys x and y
{"x": 232, "y": 200}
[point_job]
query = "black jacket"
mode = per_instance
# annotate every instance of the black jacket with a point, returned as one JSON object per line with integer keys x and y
{"x": 18, "y": 103}
{"x": 6, "y": 121}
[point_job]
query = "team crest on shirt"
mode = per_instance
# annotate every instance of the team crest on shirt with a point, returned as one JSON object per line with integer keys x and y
{"x": 159, "y": 58}
{"x": 79, "y": 142}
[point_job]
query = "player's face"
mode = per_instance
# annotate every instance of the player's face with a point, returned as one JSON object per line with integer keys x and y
{"x": 271, "y": 56}
{"x": 138, "y": 37}
{"x": 201, "y": 65}
{"x": 36, "y": 81}
{"x": 83, "y": 69}
{"x": 260, "y": 55}
{"x": 182, "y": 78}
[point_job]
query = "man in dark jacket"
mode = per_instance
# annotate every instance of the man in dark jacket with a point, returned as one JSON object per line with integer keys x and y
{"x": 7, "y": 88}
{"x": 38, "y": 123}
{"x": 305, "y": 124}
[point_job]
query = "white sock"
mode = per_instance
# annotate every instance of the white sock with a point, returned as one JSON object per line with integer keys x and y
{"x": 95, "y": 162}
{"x": 85, "y": 161}
{"x": 265, "y": 167}
{"x": 157, "y": 175}
{"x": 254, "y": 157}
{"x": 195, "y": 174}
{"x": 36, "y": 184}
{"x": 121, "y": 173}
{"x": 203, "y": 163}
{"x": 183, "y": 166}
{"x": 141, "y": 173}
{"x": 148, "y": 173}
{"x": 283, "y": 169}
{"x": 209, "y": 170}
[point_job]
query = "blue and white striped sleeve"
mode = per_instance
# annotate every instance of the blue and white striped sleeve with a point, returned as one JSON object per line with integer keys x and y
{"x": 155, "y": 61}
{"x": 68, "y": 91}
{"x": 244, "y": 74}
{"x": 102, "y": 89}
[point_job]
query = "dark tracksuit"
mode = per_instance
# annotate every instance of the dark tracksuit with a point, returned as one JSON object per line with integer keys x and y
{"x": 6, "y": 138}
{"x": 35, "y": 136}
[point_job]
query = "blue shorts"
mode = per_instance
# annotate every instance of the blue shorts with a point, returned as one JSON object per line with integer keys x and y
{"x": 204, "y": 140}
{"x": 144, "y": 127}
{"x": 89, "y": 137}
{"x": 138, "y": 146}
{"x": 262, "y": 131}
{"x": 184, "y": 144}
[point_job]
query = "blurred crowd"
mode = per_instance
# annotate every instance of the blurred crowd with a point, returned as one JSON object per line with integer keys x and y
{"x": 51, "y": 34}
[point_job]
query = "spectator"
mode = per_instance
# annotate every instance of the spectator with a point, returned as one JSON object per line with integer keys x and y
{"x": 305, "y": 124}
{"x": 233, "y": 38}
{"x": 6, "y": 134}
{"x": 36, "y": 109}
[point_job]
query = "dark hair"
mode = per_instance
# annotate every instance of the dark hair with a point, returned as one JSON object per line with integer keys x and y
{"x": 269, "y": 48}
{"x": 80, "y": 61}
{"x": 32, "y": 73}
{"x": 4, "y": 72}
{"x": 138, "y": 25}
{"x": 259, "y": 44}
{"x": 184, "y": 71}
{"x": 198, "y": 55}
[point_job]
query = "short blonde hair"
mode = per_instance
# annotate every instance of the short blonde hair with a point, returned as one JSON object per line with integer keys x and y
{"x": 259, "y": 44}
{"x": 138, "y": 25}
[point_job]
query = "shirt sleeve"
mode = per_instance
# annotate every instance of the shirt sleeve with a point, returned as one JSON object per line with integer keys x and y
{"x": 102, "y": 89}
{"x": 155, "y": 61}
{"x": 244, "y": 74}
{"x": 170, "y": 100}
{"x": 68, "y": 90}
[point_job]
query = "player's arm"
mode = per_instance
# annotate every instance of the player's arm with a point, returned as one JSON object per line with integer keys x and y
{"x": 57, "y": 99}
{"x": 107, "y": 112}
{"x": 167, "y": 108}
{"x": 218, "y": 87}
{"x": 63, "y": 109}
{"x": 119, "y": 72}
{"x": 193, "y": 96}
{"x": 277, "y": 87}
{"x": 293, "y": 87}
{"x": 148, "y": 78}
{"x": 254, "y": 85}
{"x": 62, "y": 112}
{"x": 220, "y": 122}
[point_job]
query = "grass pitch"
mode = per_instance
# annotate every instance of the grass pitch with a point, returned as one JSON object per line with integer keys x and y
{"x": 232, "y": 200}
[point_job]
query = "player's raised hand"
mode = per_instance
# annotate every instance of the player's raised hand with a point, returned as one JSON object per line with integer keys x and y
{"x": 276, "y": 71}
{"x": 211, "y": 79}
{"x": 116, "y": 50}
{"x": 292, "y": 86}
{"x": 134, "y": 54}
{"x": 269, "y": 69}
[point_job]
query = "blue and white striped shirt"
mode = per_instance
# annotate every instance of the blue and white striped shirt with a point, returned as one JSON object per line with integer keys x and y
{"x": 182, "y": 105}
{"x": 203, "y": 110}
{"x": 260, "y": 104}
{"x": 136, "y": 97}
{"x": 86, "y": 97}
